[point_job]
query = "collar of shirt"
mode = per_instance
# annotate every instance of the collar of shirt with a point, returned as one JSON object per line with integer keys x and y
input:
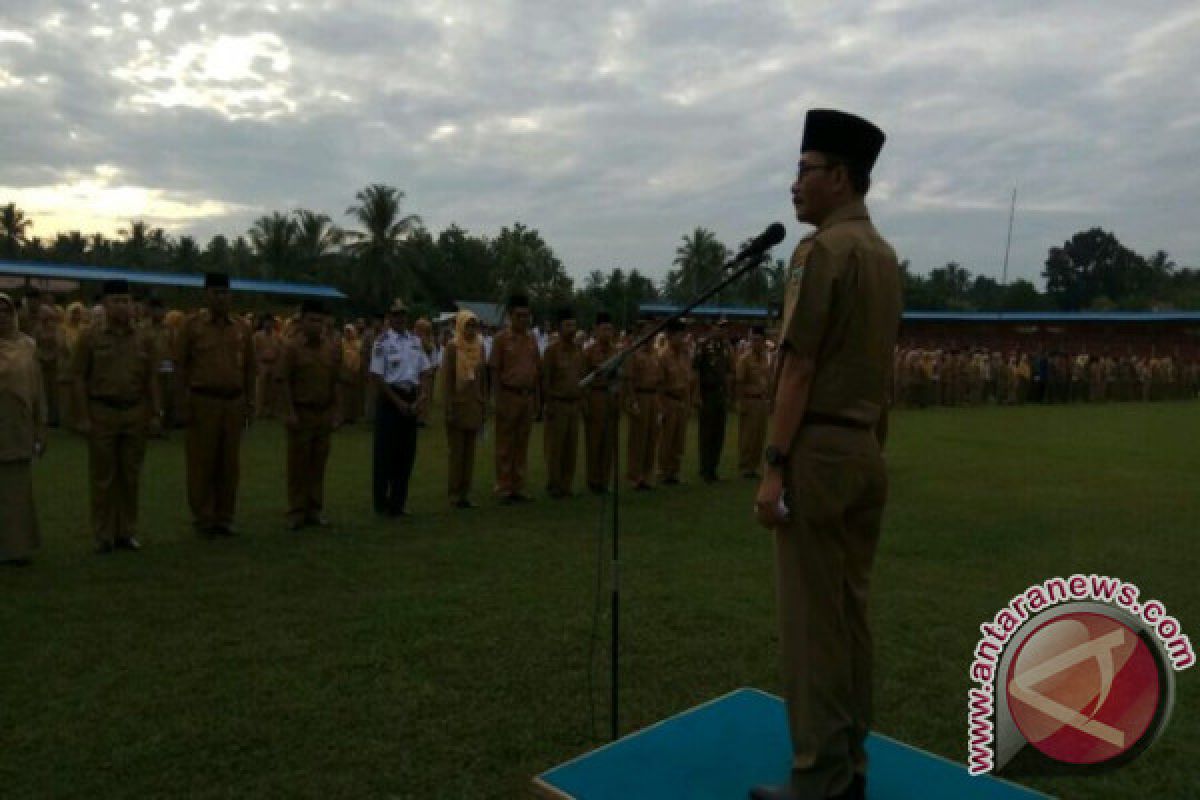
{"x": 856, "y": 209}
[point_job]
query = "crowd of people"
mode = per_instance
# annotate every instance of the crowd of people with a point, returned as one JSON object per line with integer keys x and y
{"x": 976, "y": 376}
{"x": 125, "y": 371}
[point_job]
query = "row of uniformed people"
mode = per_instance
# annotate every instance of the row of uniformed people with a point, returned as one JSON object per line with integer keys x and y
{"x": 115, "y": 371}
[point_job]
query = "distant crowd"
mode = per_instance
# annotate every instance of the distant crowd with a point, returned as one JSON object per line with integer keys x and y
{"x": 975, "y": 376}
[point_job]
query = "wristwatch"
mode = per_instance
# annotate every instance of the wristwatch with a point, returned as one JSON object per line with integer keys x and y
{"x": 774, "y": 456}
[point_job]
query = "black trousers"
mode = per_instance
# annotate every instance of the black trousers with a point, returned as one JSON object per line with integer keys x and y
{"x": 711, "y": 429}
{"x": 395, "y": 452}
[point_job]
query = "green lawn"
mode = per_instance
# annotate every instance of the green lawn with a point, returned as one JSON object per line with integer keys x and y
{"x": 445, "y": 656}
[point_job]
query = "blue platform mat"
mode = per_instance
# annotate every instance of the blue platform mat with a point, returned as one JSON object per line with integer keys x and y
{"x": 718, "y": 750}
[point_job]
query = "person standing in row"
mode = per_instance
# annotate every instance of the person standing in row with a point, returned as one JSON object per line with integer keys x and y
{"x": 600, "y": 408}
{"x": 310, "y": 392}
{"x": 119, "y": 406}
{"x": 563, "y": 367}
{"x": 163, "y": 348}
{"x": 674, "y": 399}
{"x": 751, "y": 382}
{"x": 515, "y": 367}
{"x": 401, "y": 373}
{"x": 464, "y": 388}
{"x": 643, "y": 378}
{"x": 268, "y": 346}
{"x": 22, "y": 437}
{"x": 714, "y": 370}
{"x": 841, "y": 318}
{"x": 216, "y": 373}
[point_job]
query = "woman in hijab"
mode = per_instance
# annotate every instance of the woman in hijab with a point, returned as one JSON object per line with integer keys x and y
{"x": 22, "y": 436}
{"x": 352, "y": 375}
{"x": 74, "y": 323}
{"x": 465, "y": 393}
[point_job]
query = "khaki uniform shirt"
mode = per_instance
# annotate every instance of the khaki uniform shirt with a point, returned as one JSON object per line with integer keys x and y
{"x": 311, "y": 373}
{"x": 842, "y": 309}
{"x": 515, "y": 362}
{"x": 752, "y": 376}
{"x": 217, "y": 355}
{"x": 677, "y": 375}
{"x": 562, "y": 370}
{"x": 115, "y": 365}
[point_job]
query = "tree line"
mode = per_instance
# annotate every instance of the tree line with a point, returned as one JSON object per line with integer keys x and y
{"x": 383, "y": 252}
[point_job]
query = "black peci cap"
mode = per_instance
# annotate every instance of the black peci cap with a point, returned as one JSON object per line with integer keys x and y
{"x": 216, "y": 280}
{"x": 115, "y": 286}
{"x": 842, "y": 134}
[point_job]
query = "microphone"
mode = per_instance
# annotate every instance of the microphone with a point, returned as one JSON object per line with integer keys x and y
{"x": 773, "y": 235}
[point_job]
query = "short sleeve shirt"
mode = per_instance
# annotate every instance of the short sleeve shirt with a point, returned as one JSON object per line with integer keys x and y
{"x": 399, "y": 359}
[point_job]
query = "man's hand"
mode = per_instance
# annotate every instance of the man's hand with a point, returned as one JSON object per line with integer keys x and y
{"x": 766, "y": 502}
{"x": 39, "y": 445}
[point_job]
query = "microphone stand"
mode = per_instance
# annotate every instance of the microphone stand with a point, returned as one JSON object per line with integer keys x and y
{"x": 610, "y": 371}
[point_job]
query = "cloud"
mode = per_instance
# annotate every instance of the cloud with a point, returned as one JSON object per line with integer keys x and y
{"x": 613, "y": 129}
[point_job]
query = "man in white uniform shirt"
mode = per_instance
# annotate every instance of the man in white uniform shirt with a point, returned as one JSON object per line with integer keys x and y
{"x": 402, "y": 372}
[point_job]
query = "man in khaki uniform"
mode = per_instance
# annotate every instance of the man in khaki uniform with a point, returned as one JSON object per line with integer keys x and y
{"x": 562, "y": 369}
{"x": 674, "y": 398}
{"x": 309, "y": 368}
{"x": 268, "y": 347}
{"x": 643, "y": 378}
{"x": 752, "y": 382}
{"x": 599, "y": 408}
{"x": 216, "y": 376}
{"x": 515, "y": 366}
{"x": 824, "y": 457}
{"x": 118, "y": 403}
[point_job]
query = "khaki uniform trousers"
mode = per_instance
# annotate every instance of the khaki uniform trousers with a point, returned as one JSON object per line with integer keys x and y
{"x": 116, "y": 450}
{"x": 672, "y": 437}
{"x": 600, "y": 436}
{"x": 308, "y": 445}
{"x": 752, "y": 433}
{"x": 643, "y": 439}
{"x": 561, "y": 443}
{"x": 461, "y": 446}
{"x": 514, "y": 424}
{"x": 211, "y": 447}
{"x": 836, "y": 487}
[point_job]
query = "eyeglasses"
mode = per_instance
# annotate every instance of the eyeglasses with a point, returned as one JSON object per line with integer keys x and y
{"x": 805, "y": 169}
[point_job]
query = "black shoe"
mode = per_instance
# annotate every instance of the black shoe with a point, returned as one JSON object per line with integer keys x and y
{"x": 857, "y": 790}
{"x": 128, "y": 543}
{"x": 773, "y": 793}
{"x": 104, "y": 548}
{"x": 464, "y": 503}
{"x": 643, "y": 487}
{"x": 399, "y": 512}
{"x": 521, "y": 498}
{"x": 670, "y": 481}
{"x": 295, "y": 524}
{"x": 320, "y": 520}
{"x": 598, "y": 490}
{"x": 224, "y": 529}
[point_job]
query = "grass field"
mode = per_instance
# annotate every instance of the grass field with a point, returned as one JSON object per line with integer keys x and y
{"x": 446, "y": 656}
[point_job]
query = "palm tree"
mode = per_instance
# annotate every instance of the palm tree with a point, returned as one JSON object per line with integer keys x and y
{"x": 377, "y": 246}
{"x": 140, "y": 242}
{"x": 69, "y": 247}
{"x": 317, "y": 238}
{"x": 274, "y": 241}
{"x": 699, "y": 260}
{"x": 13, "y": 227}
{"x": 187, "y": 254}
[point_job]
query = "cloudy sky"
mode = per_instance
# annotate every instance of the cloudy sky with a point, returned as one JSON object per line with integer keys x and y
{"x": 614, "y": 128}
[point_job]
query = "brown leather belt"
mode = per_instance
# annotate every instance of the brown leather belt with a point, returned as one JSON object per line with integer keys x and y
{"x": 220, "y": 394}
{"x": 817, "y": 418}
{"x": 114, "y": 403}
{"x": 516, "y": 389}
